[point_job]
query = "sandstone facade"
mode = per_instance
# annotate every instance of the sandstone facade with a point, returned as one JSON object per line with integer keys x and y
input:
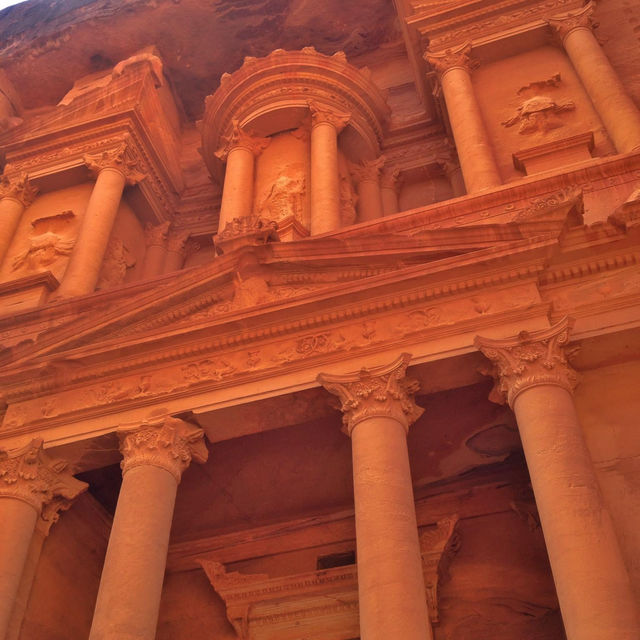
{"x": 320, "y": 322}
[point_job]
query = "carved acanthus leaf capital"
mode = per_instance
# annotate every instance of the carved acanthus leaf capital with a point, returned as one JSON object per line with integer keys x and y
{"x": 326, "y": 115}
{"x": 454, "y": 58}
{"x": 565, "y": 23}
{"x": 239, "y": 138}
{"x": 377, "y": 392}
{"x": 19, "y": 188}
{"x": 156, "y": 236}
{"x": 529, "y": 360}
{"x": 170, "y": 445}
{"x": 121, "y": 158}
{"x": 391, "y": 178}
{"x": 28, "y": 474}
{"x": 368, "y": 171}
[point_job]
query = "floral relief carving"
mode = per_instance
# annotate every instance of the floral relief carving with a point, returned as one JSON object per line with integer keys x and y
{"x": 19, "y": 188}
{"x": 380, "y": 391}
{"x": 325, "y": 115}
{"x": 170, "y": 445}
{"x": 564, "y": 24}
{"x": 238, "y": 137}
{"x": 120, "y": 158}
{"x": 528, "y": 360}
{"x": 29, "y": 474}
{"x": 452, "y": 58}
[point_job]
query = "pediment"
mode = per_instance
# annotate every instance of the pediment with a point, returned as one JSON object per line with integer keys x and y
{"x": 272, "y": 281}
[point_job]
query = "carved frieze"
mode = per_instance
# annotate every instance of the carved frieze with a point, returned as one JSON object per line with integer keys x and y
{"x": 29, "y": 474}
{"x": 381, "y": 391}
{"x": 170, "y": 445}
{"x": 528, "y": 360}
{"x": 246, "y": 231}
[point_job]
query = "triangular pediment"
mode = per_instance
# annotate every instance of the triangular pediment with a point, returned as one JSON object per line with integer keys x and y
{"x": 273, "y": 280}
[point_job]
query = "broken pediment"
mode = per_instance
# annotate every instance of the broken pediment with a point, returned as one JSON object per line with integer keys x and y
{"x": 318, "y": 604}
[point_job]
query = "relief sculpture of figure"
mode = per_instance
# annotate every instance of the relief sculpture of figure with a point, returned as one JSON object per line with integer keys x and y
{"x": 43, "y": 250}
{"x": 539, "y": 113}
{"x": 285, "y": 198}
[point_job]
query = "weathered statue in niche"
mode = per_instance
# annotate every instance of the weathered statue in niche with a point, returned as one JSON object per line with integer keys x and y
{"x": 286, "y": 197}
{"x": 47, "y": 243}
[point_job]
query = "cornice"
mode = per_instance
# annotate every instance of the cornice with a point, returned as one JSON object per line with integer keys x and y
{"x": 467, "y": 21}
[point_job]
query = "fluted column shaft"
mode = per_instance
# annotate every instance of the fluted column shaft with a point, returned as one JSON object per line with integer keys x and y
{"x": 615, "y": 107}
{"x": 475, "y": 152}
{"x": 113, "y": 170}
{"x": 325, "y": 178}
{"x": 592, "y": 583}
{"x": 378, "y": 409}
{"x": 28, "y": 479}
{"x": 154, "y": 458}
{"x": 367, "y": 176}
{"x": 15, "y": 196}
{"x": 239, "y": 151}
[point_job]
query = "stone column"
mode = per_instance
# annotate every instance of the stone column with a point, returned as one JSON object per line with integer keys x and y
{"x": 177, "y": 249}
{"x": 390, "y": 182}
{"x": 154, "y": 458}
{"x": 591, "y": 579}
{"x": 367, "y": 176}
{"x": 615, "y": 107}
{"x": 156, "y": 255}
{"x": 113, "y": 169}
{"x": 16, "y": 194}
{"x": 378, "y": 409}
{"x": 239, "y": 152}
{"x": 29, "y": 479}
{"x": 49, "y": 515}
{"x": 478, "y": 164}
{"x": 326, "y": 125}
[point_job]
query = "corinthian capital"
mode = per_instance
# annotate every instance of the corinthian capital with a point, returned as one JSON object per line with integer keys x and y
{"x": 156, "y": 236}
{"x": 529, "y": 360}
{"x": 368, "y": 171}
{"x": 391, "y": 178}
{"x": 19, "y": 188}
{"x": 28, "y": 474}
{"x": 241, "y": 138}
{"x": 380, "y": 391}
{"x": 322, "y": 115}
{"x": 454, "y": 58}
{"x": 565, "y": 23}
{"x": 170, "y": 445}
{"x": 120, "y": 158}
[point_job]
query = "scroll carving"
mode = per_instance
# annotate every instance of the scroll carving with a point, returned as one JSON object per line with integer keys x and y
{"x": 454, "y": 58}
{"x": 565, "y": 23}
{"x": 19, "y": 188}
{"x": 368, "y": 171}
{"x": 29, "y": 474}
{"x": 170, "y": 445}
{"x": 380, "y": 391}
{"x": 529, "y": 360}
{"x": 241, "y": 138}
{"x": 156, "y": 236}
{"x": 119, "y": 158}
{"x": 321, "y": 115}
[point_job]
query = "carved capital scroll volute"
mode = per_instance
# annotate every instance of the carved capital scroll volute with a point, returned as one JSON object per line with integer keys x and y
{"x": 18, "y": 188}
{"x": 120, "y": 158}
{"x": 454, "y": 58}
{"x": 325, "y": 115}
{"x": 170, "y": 445}
{"x": 565, "y": 23}
{"x": 529, "y": 360}
{"x": 368, "y": 171}
{"x": 391, "y": 178}
{"x": 377, "y": 392}
{"x": 239, "y": 138}
{"x": 28, "y": 474}
{"x": 156, "y": 236}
